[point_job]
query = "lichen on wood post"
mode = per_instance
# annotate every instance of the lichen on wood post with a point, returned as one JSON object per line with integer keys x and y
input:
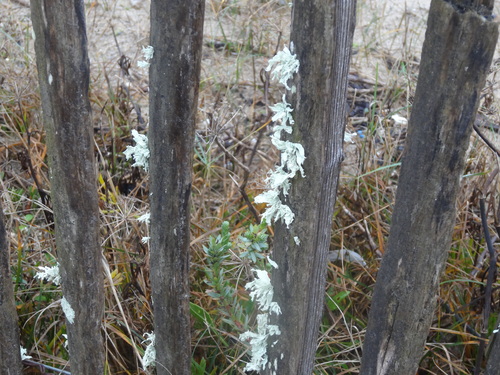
{"x": 322, "y": 32}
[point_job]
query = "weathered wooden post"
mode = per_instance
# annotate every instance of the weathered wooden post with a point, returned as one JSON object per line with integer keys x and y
{"x": 457, "y": 52}
{"x": 10, "y": 357}
{"x": 63, "y": 71}
{"x": 176, "y": 36}
{"x": 322, "y": 32}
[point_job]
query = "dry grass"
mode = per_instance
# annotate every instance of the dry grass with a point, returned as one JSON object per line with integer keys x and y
{"x": 232, "y": 155}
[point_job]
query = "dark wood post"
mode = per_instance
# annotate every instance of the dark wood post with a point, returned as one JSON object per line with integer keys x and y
{"x": 176, "y": 36}
{"x": 63, "y": 71}
{"x": 457, "y": 52}
{"x": 10, "y": 357}
{"x": 322, "y": 32}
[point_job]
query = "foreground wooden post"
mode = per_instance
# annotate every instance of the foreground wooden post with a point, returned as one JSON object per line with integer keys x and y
{"x": 176, "y": 36}
{"x": 63, "y": 71}
{"x": 10, "y": 358}
{"x": 322, "y": 32}
{"x": 493, "y": 364}
{"x": 457, "y": 52}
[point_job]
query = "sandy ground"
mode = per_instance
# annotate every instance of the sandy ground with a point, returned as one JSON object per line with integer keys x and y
{"x": 387, "y": 33}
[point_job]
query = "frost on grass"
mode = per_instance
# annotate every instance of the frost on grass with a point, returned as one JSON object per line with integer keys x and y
{"x": 50, "y": 274}
{"x": 148, "y": 53}
{"x": 149, "y": 358}
{"x": 68, "y": 310}
{"x": 283, "y": 66}
{"x": 139, "y": 152}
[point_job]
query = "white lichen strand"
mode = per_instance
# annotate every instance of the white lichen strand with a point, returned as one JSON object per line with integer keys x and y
{"x": 346, "y": 255}
{"x": 149, "y": 358}
{"x": 272, "y": 262}
{"x": 24, "y": 354}
{"x": 139, "y": 152}
{"x": 283, "y": 66}
{"x": 146, "y": 218}
{"x": 283, "y": 114}
{"x": 258, "y": 342}
{"x": 275, "y": 210}
{"x": 263, "y": 292}
{"x": 147, "y": 53}
{"x": 292, "y": 156}
{"x": 50, "y": 274}
{"x": 68, "y": 310}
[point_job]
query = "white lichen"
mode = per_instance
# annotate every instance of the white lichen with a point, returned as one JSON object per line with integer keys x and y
{"x": 283, "y": 115}
{"x": 258, "y": 342}
{"x": 139, "y": 152}
{"x": 66, "y": 342}
{"x": 149, "y": 358}
{"x": 68, "y": 310}
{"x": 146, "y": 218}
{"x": 24, "y": 354}
{"x": 262, "y": 292}
{"x": 346, "y": 255}
{"x": 283, "y": 66}
{"x": 272, "y": 262}
{"x": 147, "y": 53}
{"x": 50, "y": 274}
{"x": 349, "y": 137}
{"x": 275, "y": 209}
{"x": 297, "y": 240}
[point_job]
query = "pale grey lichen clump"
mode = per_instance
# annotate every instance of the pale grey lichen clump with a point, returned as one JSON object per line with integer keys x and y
{"x": 149, "y": 358}
{"x": 24, "y": 354}
{"x": 68, "y": 310}
{"x": 148, "y": 53}
{"x": 261, "y": 292}
{"x": 50, "y": 274}
{"x": 139, "y": 152}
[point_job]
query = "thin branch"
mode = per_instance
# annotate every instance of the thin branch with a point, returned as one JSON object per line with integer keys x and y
{"x": 489, "y": 286}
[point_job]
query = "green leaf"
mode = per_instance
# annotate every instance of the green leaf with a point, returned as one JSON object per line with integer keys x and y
{"x": 201, "y": 315}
